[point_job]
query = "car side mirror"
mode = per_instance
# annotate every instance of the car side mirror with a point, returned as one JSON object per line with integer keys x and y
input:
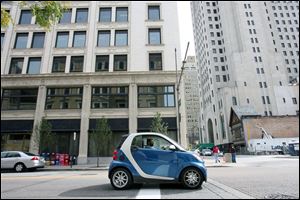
{"x": 172, "y": 147}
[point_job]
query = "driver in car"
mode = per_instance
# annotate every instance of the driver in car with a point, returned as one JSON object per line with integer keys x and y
{"x": 150, "y": 144}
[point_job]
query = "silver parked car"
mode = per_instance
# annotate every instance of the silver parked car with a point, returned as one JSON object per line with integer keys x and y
{"x": 206, "y": 152}
{"x": 19, "y": 161}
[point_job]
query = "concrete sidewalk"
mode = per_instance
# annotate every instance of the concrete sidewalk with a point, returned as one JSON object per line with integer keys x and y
{"x": 88, "y": 167}
{"x": 209, "y": 162}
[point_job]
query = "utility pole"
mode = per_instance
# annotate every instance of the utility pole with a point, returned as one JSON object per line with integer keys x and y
{"x": 177, "y": 90}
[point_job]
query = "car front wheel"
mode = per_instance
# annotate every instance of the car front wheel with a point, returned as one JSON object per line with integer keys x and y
{"x": 191, "y": 178}
{"x": 121, "y": 179}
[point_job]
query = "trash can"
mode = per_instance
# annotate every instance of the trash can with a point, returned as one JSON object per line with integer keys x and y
{"x": 227, "y": 157}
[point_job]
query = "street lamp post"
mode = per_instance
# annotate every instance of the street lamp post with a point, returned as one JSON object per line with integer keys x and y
{"x": 177, "y": 90}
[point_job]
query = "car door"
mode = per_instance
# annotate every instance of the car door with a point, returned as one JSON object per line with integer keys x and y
{"x": 11, "y": 159}
{"x": 157, "y": 160}
{"x": 3, "y": 160}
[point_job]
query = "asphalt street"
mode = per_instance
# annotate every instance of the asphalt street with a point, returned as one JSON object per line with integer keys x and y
{"x": 249, "y": 178}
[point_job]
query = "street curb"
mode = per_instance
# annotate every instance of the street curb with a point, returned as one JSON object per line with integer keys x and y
{"x": 72, "y": 169}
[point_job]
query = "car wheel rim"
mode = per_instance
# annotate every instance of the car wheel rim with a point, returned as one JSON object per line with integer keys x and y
{"x": 19, "y": 167}
{"x": 120, "y": 179}
{"x": 192, "y": 178}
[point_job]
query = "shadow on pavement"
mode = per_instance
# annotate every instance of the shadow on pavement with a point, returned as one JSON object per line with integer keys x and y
{"x": 104, "y": 191}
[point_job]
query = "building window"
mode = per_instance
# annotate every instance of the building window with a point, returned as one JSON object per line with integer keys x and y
{"x": 76, "y": 64}
{"x": 122, "y": 14}
{"x": 155, "y": 61}
{"x": 25, "y": 17}
{"x": 62, "y": 40}
{"x": 21, "y": 40}
{"x": 16, "y": 65}
{"x": 121, "y": 38}
{"x": 102, "y": 63}
{"x": 294, "y": 100}
{"x": 64, "y": 98}
{"x": 19, "y": 99}
{"x": 234, "y": 102}
{"x": 59, "y": 64}
{"x": 66, "y": 17}
{"x": 79, "y": 39}
{"x": 103, "y": 39}
{"x": 153, "y": 13}
{"x": 263, "y": 100}
{"x": 268, "y": 100}
{"x": 105, "y": 15}
{"x": 38, "y": 40}
{"x": 154, "y": 36}
{"x": 81, "y": 15}
{"x": 110, "y": 97}
{"x": 2, "y": 39}
{"x": 34, "y": 66}
{"x": 156, "y": 96}
{"x": 120, "y": 62}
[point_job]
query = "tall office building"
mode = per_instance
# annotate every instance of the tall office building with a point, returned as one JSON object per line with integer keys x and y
{"x": 192, "y": 108}
{"x": 248, "y": 58}
{"x": 112, "y": 59}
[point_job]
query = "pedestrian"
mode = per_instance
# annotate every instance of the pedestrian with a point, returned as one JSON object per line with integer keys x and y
{"x": 233, "y": 154}
{"x": 216, "y": 152}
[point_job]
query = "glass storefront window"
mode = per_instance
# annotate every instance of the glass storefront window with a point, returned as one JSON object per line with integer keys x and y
{"x": 156, "y": 96}
{"x": 19, "y": 99}
{"x": 109, "y": 97}
{"x": 64, "y": 98}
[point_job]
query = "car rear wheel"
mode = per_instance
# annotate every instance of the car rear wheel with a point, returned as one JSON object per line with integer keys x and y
{"x": 120, "y": 179}
{"x": 191, "y": 178}
{"x": 19, "y": 167}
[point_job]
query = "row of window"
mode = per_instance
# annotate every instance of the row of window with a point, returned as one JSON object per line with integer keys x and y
{"x": 79, "y": 39}
{"x": 77, "y": 62}
{"x": 102, "y": 97}
{"x": 105, "y": 15}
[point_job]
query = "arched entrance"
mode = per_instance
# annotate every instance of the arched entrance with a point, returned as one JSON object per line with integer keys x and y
{"x": 210, "y": 131}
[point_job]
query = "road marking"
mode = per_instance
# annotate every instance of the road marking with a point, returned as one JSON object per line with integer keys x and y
{"x": 149, "y": 193}
{"x": 225, "y": 191}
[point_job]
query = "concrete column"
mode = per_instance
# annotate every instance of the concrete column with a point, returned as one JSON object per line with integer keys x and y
{"x": 133, "y": 108}
{"x": 39, "y": 112}
{"x": 84, "y": 125}
{"x": 89, "y": 64}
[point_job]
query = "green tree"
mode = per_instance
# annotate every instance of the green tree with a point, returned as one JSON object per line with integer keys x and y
{"x": 158, "y": 125}
{"x": 47, "y": 13}
{"x": 101, "y": 137}
{"x": 43, "y": 136}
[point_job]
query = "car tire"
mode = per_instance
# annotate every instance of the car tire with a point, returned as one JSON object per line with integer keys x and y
{"x": 121, "y": 179}
{"x": 19, "y": 167}
{"x": 191, "y": 178}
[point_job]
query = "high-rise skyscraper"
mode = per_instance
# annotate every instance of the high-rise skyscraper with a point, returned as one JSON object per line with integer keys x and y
{"x": 192, "y": 108}
{"x": 248, "y": 56}
{"x": 112, "y": 59}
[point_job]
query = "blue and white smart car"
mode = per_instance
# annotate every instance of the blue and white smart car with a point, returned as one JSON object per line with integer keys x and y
{"x": 153, "y": 157}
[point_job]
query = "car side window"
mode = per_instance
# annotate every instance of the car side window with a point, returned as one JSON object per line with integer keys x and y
{"x": 3, "y": 155}
{"x": 137, "y": 142}
{"x": 13, "y": 155}
{"x": 155, "y": 142}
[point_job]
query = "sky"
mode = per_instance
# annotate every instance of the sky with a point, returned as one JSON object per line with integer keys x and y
{"x": 185, "y": 28}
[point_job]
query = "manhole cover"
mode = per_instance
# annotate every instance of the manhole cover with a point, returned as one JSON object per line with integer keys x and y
{"x": 280, "y": 196}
